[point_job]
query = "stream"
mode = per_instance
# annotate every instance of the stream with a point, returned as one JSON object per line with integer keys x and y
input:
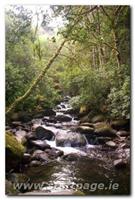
{"x": 83, "y": 169}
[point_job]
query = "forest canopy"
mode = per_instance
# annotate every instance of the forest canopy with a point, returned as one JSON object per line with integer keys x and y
{"x": 92, "y": 66}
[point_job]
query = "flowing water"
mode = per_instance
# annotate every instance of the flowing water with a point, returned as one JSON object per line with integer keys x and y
{"x": 88, "y": 174}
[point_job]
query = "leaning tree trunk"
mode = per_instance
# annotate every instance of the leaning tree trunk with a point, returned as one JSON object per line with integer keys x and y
{"x": 35, "y": 82}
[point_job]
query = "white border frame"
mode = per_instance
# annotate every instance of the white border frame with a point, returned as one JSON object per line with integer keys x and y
{"x": 2, "y": 79}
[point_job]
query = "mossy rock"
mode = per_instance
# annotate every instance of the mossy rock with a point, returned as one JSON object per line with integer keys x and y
{"x": 14, "y": 151}
{"x": 85, "y": 119}
{"x": 98, "y": 118}
{"x": 121, "y": 124}
{"x": 103, "y": 129}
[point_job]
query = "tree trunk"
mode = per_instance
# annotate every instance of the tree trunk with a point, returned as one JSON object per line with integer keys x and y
{"x": 35, "y": 82}
{"x": 117, "y": 53}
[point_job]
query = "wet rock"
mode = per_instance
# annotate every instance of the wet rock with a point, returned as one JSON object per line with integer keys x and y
{"x": 85, "y": 118}
{"x": 87, "y": 124}
{"x": 71, "y": 111}
{"x": 31, "y": 136}
{"x": 71, "y": 157}
{"x": 15, "y": 124}
{"x": 54, "y": 153}
{"x": 14, "y": 152}
{"x": 38, "y": 115}
{"x": 70, "y": 139}
{"x": 20, "y": 136}
{"x": 123, "y": 133}
{"x": 49, "y": 112}
{"x": 8, "y": 128}
{"x": 58, "y": 107}
{"x": 120, "y": 164}
{"x": 63, "y": 105}
{"x": 121, "y": 124}
{"x": 102, "y": 140}
{"x": 26, "y": 158}
{"x": 67, "y": 98}
{"x": 111, "y": 144}
{"x": 85, "y": 129}
{"x": 41, "y": 156}
{"x": 43, "y": 133}
{"x": 98, "y": 118}
{"x": 63, "y": 118}
{"x": 35, "y": 163}
{"x": 39, "y": 144}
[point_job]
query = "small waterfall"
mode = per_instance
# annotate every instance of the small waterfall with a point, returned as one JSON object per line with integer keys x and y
{"x": 87, "y": 143}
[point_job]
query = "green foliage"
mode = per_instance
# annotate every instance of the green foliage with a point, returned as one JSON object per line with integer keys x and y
{"x": 24, "y": 62}
{"x": 93, "y": 68}
{"x": 119, "y": 100}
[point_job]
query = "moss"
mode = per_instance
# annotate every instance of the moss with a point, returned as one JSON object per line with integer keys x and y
{"x": 98, "y": 118}
{"x": 103, "y": 129}
{"x": 13, "y": 145}
{"x": 102, "y": 125}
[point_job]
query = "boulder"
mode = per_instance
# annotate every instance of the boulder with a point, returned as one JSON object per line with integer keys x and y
{"x": 87, "y": 124}
{"x": 20, "y": 136}
{"x": 14, "y": 152}
{"x": 15, "y": 124}
{"x": 67, "y": 98}
{"x": 42, "y": 133}
{"x": 120, "y": 164}
{"x": 26, "y": 158}
{"x": 85, "y": 129}
{"x": 39, "y": 144}
{"x": 40, "y": 156}
{"x": 111, "y": 144}
{"x": 104, "y": 130}
{"x": 36, "y": 153}
{"x": 71, "y": 157}
{"x": 71, "y": 111}
{"x": 31, "y": 136}
{"x": 121, "y": 124}
{"x": 98, "y": 118}
{"x": 63, "y": 105}
{"x": 35, "y": 163}
{"x": 54, "y": 153}
{"x": 58, "y": 107}
{"x": 70, "y": 139}
{"x": 123, "y": 133}
{"x": 102, "y": 140}
{"x": 63, "y": 118}
{"x": 85, "y": 118}
{"x": 49, "y": 112}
